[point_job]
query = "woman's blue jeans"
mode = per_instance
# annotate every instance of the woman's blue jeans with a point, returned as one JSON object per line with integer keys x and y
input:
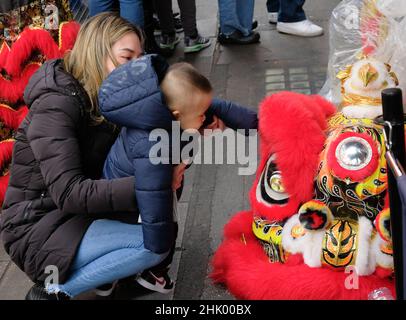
{"x": 110, "y": 250}
{"x": 289, "y": 10}
{"x": 236, "y": 15}
{"x": 131, "y": 10}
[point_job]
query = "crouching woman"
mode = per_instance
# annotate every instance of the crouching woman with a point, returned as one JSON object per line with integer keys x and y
{"x": 57, "y": 213}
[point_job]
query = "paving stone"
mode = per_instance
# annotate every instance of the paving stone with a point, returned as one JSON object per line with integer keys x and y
{"x": 275, "y": 86}
{"x": 303, "y": 91}
{"x": 297, "y": 70}
{"x": 300, "y": 85}
{"x": 274, "y": 71}
{"x": 14, "y": 284}
{"x": 3, "y": 255}
{"x": 298, "y": 77}
{"x": 3, "y": 268}
{"x": 276, "y": 78}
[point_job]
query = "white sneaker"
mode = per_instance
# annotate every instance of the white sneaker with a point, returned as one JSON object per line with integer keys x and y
{"x": 273, "y": 17}
{"x": 304, "y": 28}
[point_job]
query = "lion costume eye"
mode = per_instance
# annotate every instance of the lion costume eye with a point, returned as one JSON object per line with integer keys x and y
{"x": 270, "y": 189}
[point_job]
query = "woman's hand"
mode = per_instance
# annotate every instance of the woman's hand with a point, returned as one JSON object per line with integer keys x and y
{"x": 177, "y": 177}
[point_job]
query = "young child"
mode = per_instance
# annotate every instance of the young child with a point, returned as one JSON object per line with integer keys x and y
{"x": 143, "y": 95}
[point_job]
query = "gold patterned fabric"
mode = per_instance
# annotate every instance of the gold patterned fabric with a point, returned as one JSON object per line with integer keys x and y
{"x": 46, "y": 14}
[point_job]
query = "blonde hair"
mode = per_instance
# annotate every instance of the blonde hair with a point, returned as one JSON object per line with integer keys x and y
{"x": 86, "y": 61}
{"x": 182, "y": 80}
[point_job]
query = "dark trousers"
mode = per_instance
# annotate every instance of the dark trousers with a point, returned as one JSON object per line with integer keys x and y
{"x": 148, "y": 17}
{"x": 169, "y": 258}
{"x": 187, "y": 15}
{"x": 289, "y": 10}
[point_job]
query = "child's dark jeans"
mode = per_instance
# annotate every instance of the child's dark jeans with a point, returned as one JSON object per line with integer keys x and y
{"x": 289, "y": 10}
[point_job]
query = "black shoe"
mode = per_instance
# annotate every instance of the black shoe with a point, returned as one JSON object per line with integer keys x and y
{"x": 238, "y": 38}
{"x": 38, "y": 292}
{"x": 178, "y": 24}
{"x": 254, "y": 25}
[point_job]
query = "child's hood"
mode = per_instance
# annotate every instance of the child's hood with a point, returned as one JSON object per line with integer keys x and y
{"x": 131, "y": 97}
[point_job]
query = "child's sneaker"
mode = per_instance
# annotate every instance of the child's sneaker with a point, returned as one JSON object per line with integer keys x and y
{"x": 169, "y": 41}
{"x": 196, "y": 44}
{"x": 156, "y": 281}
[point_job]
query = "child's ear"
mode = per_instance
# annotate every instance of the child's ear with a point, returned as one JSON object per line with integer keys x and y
{"x": 176, "y": 114}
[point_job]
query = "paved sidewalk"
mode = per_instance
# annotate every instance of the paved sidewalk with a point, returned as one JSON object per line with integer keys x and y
{"x": 213, "y": 193}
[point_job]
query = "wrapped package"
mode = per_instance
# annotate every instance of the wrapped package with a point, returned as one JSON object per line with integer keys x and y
{"x": 366, "y": 28}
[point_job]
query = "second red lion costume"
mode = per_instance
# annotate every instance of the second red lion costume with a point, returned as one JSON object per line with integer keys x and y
{"x": 28, "y": 37}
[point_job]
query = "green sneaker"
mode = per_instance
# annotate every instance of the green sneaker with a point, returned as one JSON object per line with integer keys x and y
{"x": 169, "y": 41}
{"x": 196, "y": 44}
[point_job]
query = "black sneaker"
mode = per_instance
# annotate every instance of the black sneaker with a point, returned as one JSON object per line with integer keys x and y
{"x": 160, "y": 282}
{"x": 254, "y": 25}
{"x": 157, "y": 26}
{"x": 238, "y": 38}
{"x": 38, "y": 292}
{"x": 178, "y": 24}
{"x": 196, "y": 44}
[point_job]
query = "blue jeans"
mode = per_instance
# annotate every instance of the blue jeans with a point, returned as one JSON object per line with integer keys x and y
{"x": 131, "y": 10}
{"x": 288, "y": 10}
{"x": 110, "y": 250}
{"x": 236, "y": 15}
{"x": 75, "y": 5}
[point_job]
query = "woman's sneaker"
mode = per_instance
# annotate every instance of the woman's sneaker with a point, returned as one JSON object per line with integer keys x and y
{"x": 156, "y": 281}
{"x": 196, "y": 44}
{"x": 105, "y": 290}
{"x": 38, "y": 292}
{"x": 169, "y": 41}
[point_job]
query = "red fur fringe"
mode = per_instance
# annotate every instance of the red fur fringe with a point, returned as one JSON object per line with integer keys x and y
{"x": 6, "y": 152}
{"x": 248, "y": 274}
{"x": 12, "y": 91}
{"x": 12, "y": 118}
{"x": 15, "y": 62}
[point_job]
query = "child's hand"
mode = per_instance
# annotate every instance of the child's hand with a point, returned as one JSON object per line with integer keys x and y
{"x": 178, "y": 173}
{"x": 216, "y": 124}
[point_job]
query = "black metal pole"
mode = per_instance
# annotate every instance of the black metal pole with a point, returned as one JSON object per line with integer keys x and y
{"x": 393, "y": 112}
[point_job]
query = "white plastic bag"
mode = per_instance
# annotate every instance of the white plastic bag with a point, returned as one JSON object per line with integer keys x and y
{"x": 359, "y": 27}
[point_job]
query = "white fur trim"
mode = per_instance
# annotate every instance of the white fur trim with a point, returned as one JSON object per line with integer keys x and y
{"x": 310, "y": 245}
{"x": 312, "y": 254}
{"x": 382, "y": 259}
{"x": 362, "y": 111}
{"x": 363, "y": 261}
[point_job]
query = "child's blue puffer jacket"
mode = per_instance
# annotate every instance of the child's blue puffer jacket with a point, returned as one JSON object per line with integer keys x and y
{"x": 131, "y": 98}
